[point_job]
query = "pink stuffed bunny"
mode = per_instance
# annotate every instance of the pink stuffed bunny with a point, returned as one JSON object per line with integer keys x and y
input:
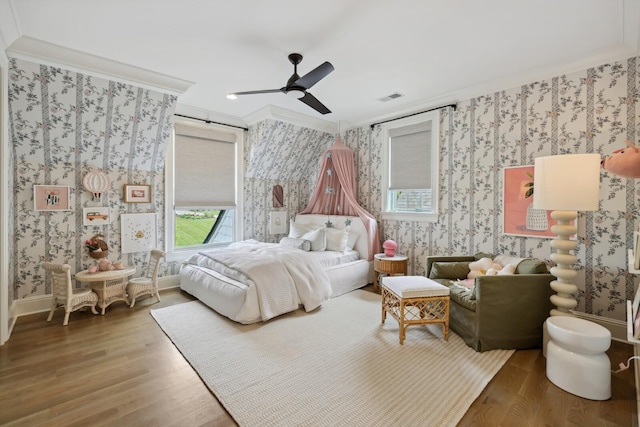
{"x": 624, "y": 162}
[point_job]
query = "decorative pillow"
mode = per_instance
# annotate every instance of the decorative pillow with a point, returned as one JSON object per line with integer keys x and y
{"x": 317, "y": 239}
{"x": 532, "y": 266}
{"x": 336, "y": 239}
{"x": 296, "y": 230}
{"x": 352, "y": 238}
{"x": 449, "y": 270}
{"x": 507, "y": 269}
{"x": 467, "y": 283}
{"x": 292, "y": 242}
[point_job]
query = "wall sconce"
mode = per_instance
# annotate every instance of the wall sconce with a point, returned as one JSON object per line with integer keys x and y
{"x": 96, "y": 182}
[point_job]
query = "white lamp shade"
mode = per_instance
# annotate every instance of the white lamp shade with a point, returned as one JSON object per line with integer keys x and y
{"x": 568, "y": 182}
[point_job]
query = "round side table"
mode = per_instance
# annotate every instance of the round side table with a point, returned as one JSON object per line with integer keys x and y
{"x": 391, "y": 265}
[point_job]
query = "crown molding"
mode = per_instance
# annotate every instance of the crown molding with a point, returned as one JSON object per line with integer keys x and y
{"x": 203, "y": 114}
{"x": 506, "y": 83}
{"x": 271, "y": 112}
{"x": 29, "y": 48}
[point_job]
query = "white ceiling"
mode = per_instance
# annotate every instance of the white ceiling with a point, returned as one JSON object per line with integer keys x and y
{"x": 431, "y": 51}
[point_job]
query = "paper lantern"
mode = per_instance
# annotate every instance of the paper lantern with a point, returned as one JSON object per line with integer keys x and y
{"x": 96, "y": 182}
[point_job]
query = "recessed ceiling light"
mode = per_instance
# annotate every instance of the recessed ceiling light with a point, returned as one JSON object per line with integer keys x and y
{"x": 231, "y": 96}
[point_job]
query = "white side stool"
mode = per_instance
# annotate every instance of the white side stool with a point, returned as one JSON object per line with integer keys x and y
{"x": 576, "y": 359}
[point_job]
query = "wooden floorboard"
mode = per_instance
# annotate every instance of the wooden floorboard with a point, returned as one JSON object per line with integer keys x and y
{"x": 121, "y": 369}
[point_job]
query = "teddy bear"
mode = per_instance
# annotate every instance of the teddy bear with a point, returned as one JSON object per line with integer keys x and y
{"x": 624, "y": 162}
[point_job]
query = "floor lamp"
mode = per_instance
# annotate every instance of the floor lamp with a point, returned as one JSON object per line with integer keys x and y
{"x": 565, "y": 184}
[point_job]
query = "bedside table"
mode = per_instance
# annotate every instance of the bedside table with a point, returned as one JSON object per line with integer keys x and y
{"x": 391, "y": 265}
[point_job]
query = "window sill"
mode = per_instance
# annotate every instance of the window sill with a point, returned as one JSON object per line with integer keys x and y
{"x": 409, "y": 216}
{"x": 179, "y": 255}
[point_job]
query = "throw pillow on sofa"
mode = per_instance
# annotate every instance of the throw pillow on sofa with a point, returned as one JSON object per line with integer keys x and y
{"x": 449, "y": 270}
{"x": 532, "y": 266}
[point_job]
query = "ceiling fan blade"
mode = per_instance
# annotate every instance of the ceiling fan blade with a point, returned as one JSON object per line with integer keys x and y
{"x": 313, "y": 102}
{"x": 254, "y": 92}
{"x": 315, "y": 75}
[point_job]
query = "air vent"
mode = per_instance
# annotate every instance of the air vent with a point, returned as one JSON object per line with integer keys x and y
{"x": 390, "y": 97}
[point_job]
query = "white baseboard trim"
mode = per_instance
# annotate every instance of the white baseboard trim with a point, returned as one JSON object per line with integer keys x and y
{"x": 618, "y": 328}
{"x": 42, "y": 303}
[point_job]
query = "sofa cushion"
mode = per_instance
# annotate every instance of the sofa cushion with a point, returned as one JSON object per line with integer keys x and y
{"x": 458, "y": 294}
{"x": 532, "y": 266}
{"x": 449, "y": 270}
{"x": 462, "y": 296}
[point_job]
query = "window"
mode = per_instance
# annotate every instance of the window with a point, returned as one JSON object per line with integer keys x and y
{"x": 410, "y": 168}
{"x": 203, "y": 182}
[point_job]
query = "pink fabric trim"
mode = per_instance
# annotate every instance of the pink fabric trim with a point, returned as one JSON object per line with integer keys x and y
{"x": 345, "y": 197}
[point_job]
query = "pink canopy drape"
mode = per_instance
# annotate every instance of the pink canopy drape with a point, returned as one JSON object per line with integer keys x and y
{"x": 336, "y": 192}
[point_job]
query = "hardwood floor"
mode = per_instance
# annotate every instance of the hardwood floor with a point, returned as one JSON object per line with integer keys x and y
{"x": 121, "y": 369}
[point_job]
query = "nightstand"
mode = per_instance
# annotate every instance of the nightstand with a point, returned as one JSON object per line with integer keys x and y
{"x": 391, "y": 265}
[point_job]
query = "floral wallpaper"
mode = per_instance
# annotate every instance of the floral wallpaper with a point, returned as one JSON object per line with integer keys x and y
{"x": 63, "y": 124}
{"x": 279, "y": 153}
{"x": 593, "y": 111}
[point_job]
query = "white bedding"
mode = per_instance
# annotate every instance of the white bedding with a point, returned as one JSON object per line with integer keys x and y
{"x": 241, "y": 288}
{"x": 284, "y": 277}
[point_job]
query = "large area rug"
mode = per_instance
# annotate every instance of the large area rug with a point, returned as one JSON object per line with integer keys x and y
{"x": 335, "y": 366}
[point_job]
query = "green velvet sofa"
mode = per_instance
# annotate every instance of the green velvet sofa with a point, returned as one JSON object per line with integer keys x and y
{"x": 505, "y": 311}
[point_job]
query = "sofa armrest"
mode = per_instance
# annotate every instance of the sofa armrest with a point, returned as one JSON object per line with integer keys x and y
{"x": 512, "y": 307}
{"x": 432, "y": 259}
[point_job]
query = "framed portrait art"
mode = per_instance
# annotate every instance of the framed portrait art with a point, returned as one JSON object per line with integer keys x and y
{"x": 137, "y": 193}
{"x": 51, "y": 198}
{"x": 519, "y": 217}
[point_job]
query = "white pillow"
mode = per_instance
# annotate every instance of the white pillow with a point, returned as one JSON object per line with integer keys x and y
{"x": 336, "y": 239}
{"x": 352, "y": 238}
{"x": 296, "y": 230}
{"x": 507, "y": 269}
{"x": 291, "y": 242}
{"x": 317, "y": 239}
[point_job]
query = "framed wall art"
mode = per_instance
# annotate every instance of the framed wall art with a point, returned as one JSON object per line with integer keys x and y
{"x": 96, "y": 216}
{"x": 137, "y": 193}
{"x": 519, "y": 217}
{"x": 138, "y": 232}
{"x": 51, "y": 198}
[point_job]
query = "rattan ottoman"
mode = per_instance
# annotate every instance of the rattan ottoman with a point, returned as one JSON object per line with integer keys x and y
{"x": 415, "y": 300}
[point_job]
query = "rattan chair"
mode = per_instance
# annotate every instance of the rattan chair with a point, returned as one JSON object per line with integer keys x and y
{"x": 63, "y": 293}
{"x": 147, "y": 284}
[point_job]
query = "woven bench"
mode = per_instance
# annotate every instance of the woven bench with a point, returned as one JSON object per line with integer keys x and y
{"x": 415, "y": 300}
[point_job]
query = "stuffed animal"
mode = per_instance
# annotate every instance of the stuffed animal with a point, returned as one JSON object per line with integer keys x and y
{"x": 482, "y": 267}
{"x": 624, "y": 162}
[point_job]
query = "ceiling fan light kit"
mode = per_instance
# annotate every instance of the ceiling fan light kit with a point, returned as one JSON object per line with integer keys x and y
{"x": 297, "y": 86}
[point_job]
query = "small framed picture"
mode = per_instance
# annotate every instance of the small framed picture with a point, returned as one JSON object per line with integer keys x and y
{"x": 137, "y": 193}
{"x": 51, "y": 198}
{"x": 95, "y": 216}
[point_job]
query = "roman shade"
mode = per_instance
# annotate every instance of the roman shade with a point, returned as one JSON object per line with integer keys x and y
{"x": 410, "y": 157}
{"x": 205, "y": 164}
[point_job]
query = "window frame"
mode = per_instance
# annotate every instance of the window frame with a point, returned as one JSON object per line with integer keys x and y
{"x": 434, "y": 118}
{"x": 178, "y": 254}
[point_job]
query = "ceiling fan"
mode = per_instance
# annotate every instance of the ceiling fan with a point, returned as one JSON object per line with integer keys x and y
{"x": 297, "y": 86}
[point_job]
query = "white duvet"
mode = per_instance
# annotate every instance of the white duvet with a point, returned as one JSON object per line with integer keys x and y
{"x": 283, "y": 277}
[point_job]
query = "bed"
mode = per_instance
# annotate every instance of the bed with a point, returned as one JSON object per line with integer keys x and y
{"x": 251, "y": 281}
